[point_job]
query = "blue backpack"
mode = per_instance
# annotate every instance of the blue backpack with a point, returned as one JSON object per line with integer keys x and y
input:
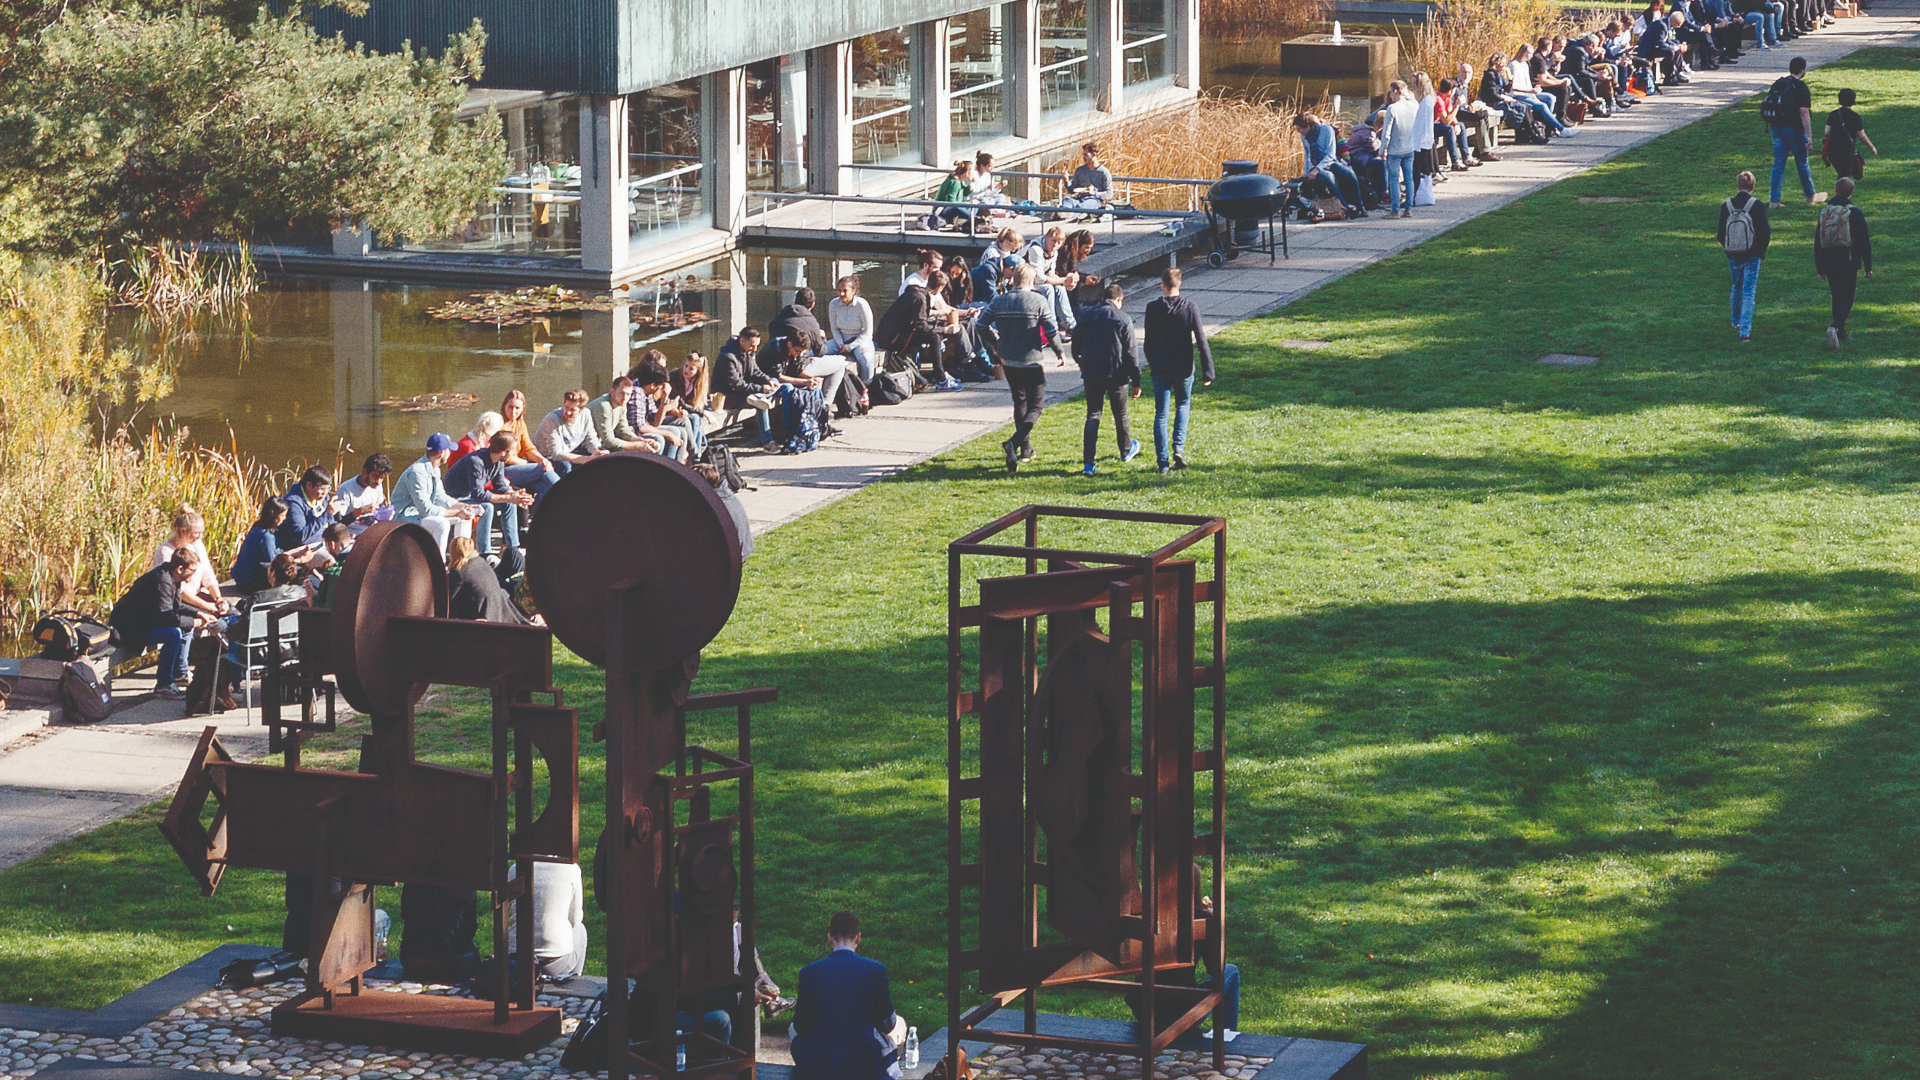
{"x": 803, "y": 417}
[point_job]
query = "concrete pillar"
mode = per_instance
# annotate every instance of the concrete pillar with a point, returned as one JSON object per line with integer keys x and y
{"x": 513, "y": 123}
{"x": 733, "y": 301}
{"x": 1183, "y": 29}
{"x": 1021, "y": 45}
{"x": 830, "y": 101}
{"x": 723, "y": 101}
{"x": 606, "y": 346}
{"x": 933, "y": 89}
{"x": 352, "y": 240}
{"x": 1106, "y": 60}
{"x": 605, "y": 199}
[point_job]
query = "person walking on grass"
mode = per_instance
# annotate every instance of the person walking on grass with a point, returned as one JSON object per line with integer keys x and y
{"x": 1841, "y": 250}
{"x": 1109, "y": 371}
{"x": 1022, "y": 321}
{"x": 1173, "y": 333}
{"x": 1744, "y": 236}
{"x": 1788, "y": 111}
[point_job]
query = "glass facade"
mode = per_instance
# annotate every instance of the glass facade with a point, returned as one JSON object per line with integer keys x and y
{"x": 668, "y": 184}
{"x": 533, "y": 213}
{"x": 1066, "y": 81}
{"x": 1144, "y": 26}
{"x": 883, "y": 99}
{"x": 982, "y": 93}
{"x": 777, "y": 124}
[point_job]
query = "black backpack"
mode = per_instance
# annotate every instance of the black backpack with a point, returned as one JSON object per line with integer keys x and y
{"x": 851, "y": 399}
{"x": 1774, "y": 109}
{"x": 85, "y": 698}
{"x": 721, "y": 457}
{"x": 1530, "y": 130}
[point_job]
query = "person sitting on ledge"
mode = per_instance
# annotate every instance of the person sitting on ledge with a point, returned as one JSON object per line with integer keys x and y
{"x": 741, "y": 383}
{"x": 420, "y": 496}
{"x": 844, "y": 1026}
{"x": 1167, "y": 1006}
{"x": 151, "y": 612}
{"x": 361, "y": 498}
{"x": 1089, "y": 187}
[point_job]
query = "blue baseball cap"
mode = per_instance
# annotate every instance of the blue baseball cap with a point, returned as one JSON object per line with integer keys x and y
{"x": 438, "y": 442}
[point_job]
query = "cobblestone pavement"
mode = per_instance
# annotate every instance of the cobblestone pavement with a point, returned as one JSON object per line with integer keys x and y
{"x": 1008, "y": 1061}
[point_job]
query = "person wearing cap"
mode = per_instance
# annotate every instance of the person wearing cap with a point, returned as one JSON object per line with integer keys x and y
{"x": 420, "y": 495}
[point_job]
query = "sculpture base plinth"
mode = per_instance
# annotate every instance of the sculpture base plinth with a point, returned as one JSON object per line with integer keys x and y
{"x": 449, "y": 1025}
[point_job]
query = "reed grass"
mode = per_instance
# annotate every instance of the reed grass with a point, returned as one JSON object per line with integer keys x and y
{"x": 85, "y": 501}
{"x": 173, "y": 280}
{"x": 1249, "y": 20}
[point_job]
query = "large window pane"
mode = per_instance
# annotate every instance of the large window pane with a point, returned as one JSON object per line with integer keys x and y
{"x": 1143, "y": 27}
{"x": 668, "y": 170}
{"x": 883, "y": 101}
{"x": 980, "y": 87}
{"x": 535, "y": 207}
{"x": 1066, "y": 84}
{"x": 777, "y": 124}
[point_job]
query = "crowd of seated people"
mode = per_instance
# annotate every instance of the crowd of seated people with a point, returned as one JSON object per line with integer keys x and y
{"x": 1419, "y": 131}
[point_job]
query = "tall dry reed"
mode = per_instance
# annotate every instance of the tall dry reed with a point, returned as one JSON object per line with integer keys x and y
{"x": 86, "y": 503}
{"x": 173, "y": 280}
{"x": 1249, "y": 20}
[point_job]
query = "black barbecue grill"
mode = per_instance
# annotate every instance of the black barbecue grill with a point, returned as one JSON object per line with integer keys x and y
{"x": 1237, "y": 206}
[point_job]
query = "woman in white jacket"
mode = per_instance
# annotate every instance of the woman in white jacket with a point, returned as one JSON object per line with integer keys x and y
{"x": 850, "y": 321}
{"x": 1402, "y": 138}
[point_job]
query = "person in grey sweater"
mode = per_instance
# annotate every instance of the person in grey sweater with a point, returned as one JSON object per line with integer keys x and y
{"x": 1024, "y": 323}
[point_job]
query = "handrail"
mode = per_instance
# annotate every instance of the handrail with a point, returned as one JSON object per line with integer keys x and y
{"x": 1114, "y": 214}
{"x": 1033, "y": 175}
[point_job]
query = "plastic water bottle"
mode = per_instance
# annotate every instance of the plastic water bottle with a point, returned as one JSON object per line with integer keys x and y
{"x": 680, "y": 1058}
{"x": 382, "y": 922}
{"x": 910, "y": 1054}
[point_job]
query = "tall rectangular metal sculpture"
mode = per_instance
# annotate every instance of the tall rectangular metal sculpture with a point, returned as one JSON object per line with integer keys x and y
{"x": 1077, "y": 791}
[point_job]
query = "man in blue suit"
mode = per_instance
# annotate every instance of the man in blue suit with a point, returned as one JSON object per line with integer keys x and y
{"x": 844, "y": 1027}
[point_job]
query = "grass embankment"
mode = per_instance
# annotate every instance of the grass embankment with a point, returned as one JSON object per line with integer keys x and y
{"x": 1571, "y": 719}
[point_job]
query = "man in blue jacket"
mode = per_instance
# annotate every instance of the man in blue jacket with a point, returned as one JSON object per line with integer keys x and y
{"x": 309, "y": 510}
{"x": 844, "y": 1026}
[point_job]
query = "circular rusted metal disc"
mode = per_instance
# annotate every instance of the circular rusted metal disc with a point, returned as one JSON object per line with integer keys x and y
{"x": 394, "y": 569}
{"x": 634, "y": 516}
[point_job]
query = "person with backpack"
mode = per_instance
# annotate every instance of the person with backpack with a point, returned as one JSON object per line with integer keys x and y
{"x": 1841, "y": 250}
{"x": 1788, "y": 113}
{"x": 1744, "y": 236}
{"x": 1839, "y": 146}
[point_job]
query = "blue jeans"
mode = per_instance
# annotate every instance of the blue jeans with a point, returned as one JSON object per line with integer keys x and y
{"x": 1543, "y": 106}
{"x": 1227, "y": 1013}
{"x": 1399, "y": 182}
{"x": 1345, "y": 181}
{"x": 173, "y": 656}
{"x": 1179, "y": 394}
{"x": 1785, "y": 141}
{"x": 1746, "y": 278}
{"x": 1775, "y": 13}
{"x": 532, "y": 477}
{"x": 509, "y": 516}
{"x": 859, "y": 350}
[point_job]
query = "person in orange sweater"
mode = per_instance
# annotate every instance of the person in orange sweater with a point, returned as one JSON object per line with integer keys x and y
{"x": 527, "y": 468}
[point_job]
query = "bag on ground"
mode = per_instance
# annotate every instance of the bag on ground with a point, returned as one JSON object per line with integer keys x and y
{"x": 85, "y": 698}
{"x": 851, "y": 399}
{"x": 805, "y": 416}
{"x": 1835, "y": 227}
{"x": 721, "y": 457}
{"x": 1423, "y": 192}
{"x": 1739, "y": 228}
{"x": 206, "y": 665}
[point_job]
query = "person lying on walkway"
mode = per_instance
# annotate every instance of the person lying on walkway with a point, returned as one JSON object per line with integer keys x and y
{"x": 527, "y": 467}
{"x": 420, "y": 495}
{"x": 151, "y": 612}
{"x": 1744, "y": 236}
{"x": 1788, "y": 112}
{"x": 480, "y": 481}
{"x": 1173, "y": 335}
{"x": 1022, "y": 321}
{"x": 850, "y": 318}
{"x": 1089, "y": 187}
{"x": 359, "y": 499}
{"x": 741, "y": 383}
{"x": 1841, "y": 250}
{"x": 611, "y": 426}
{"x": 1326, "y": 174}
{"x": 566, "y": 436}
{"x": 1110, "y": 372}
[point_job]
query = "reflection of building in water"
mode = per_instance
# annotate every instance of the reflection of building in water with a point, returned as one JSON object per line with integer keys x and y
{"x": 356, "y": 358}
{"x": 638, "y": 128}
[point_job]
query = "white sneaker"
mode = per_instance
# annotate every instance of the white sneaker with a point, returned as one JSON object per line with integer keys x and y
{"x": 1833, "y": 338}
{"x": 761, "y": 402}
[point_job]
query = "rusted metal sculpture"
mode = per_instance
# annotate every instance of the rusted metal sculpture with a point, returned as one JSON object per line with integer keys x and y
{"x": 635, "y": 564}
{"x": 397, "y": 819}
{"x": 1058, "y": 803}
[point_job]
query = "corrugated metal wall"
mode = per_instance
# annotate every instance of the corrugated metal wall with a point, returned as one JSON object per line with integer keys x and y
{"x": 624, "y": 46}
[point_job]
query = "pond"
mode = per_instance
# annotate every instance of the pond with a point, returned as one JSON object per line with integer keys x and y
{"x": 300, "y": 377}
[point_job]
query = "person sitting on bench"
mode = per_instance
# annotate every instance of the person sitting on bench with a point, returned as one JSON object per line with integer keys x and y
{"x": 844, "y": 1026}
{"x": 151, "y": 612}
{"x": 1089, "y": 187}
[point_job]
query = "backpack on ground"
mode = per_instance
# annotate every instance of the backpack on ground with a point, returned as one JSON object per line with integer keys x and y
{"x": 1739, "y": 239}
{"x": 890, "y": 387}
{"x": 1774, "y": 108}
{"x": 1531, "y": 130}
{"x": 1834, "y": 229}
{"x": 805, "y": 415}
{"x": 207, "y": 673}
{"x": 851, "y": 399}
{"x": 721, "y": 457}
{"x": 85, "y": 698}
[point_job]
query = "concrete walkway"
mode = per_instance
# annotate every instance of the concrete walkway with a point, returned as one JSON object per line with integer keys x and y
{"x": 57, "y": 782}
{"x": 894, "y": 438}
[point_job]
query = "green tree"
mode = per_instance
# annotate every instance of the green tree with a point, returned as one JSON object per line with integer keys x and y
{"x": 120, "y": 128}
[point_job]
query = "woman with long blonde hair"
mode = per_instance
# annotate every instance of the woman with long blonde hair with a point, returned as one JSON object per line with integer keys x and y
{"x": 527, "y": 467}
{"x": 692, "y": 384}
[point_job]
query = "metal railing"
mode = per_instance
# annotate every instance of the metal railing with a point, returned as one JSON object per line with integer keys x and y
{"x": 768, "y": 199}
{"x": 929, "y": 174}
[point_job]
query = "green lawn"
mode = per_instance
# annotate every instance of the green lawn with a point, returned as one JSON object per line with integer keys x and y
{"x": 1569, "y": 714}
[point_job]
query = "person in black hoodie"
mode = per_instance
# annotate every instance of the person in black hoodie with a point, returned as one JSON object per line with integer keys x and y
{"x": 1839, "y": 263}
{"x": 151, "y": 612}
{"x": 740, "y": 381}
{"x": 1745, "y": 244}
{"x": 1109, "y": 368}
{"x": 908, "y": 328}
{"x": 1173, "y": 335}
{"x": 798, "y": 317}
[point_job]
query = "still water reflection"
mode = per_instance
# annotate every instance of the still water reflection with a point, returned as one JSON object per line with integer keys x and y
{"x": 300, "y": 378}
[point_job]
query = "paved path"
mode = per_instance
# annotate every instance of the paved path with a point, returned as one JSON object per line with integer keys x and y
{"x": 60, "y": 781}
{"x": 895, "y": 438}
